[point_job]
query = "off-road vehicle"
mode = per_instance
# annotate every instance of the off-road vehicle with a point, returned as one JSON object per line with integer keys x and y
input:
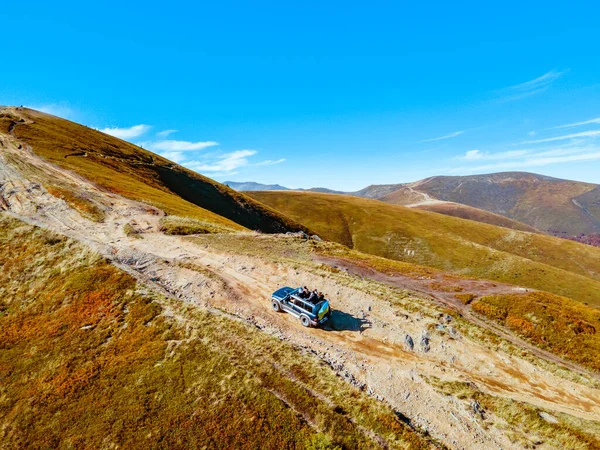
{"x": 310, "y": 314}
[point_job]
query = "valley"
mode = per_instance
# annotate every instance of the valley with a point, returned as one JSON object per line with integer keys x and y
{"x": 517, "y": 200}
{"x": 170, "y": 301}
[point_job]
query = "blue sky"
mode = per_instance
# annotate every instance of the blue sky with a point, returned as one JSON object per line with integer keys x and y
{"x": 333, "y": 94}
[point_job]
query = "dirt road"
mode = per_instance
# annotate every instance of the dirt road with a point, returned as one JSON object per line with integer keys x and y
{"x": 366, "y": 342}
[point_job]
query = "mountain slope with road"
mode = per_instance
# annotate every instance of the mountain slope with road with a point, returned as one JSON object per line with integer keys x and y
{"x": 548, "y": 204}
{"x": 128, "y": 170}
{"x": 461, "y": 246}
{"x": 117, "y": 331}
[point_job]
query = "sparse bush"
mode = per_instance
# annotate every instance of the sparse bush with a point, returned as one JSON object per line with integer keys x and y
{"x": 183, "y": 226}
{"x": 84, "y": 206}
{"x": 321, "y": 441}
{"x": 561, "y": 325}
{"x": 437, "y": 286}
{"x": 465, "y": 298}
{"x": 329, "y": 268}
{"x": 521, "y": 326}
{"x": 130, "y": 231}
{"x": 52, "y": 239}
{"x": 491, "y": 311}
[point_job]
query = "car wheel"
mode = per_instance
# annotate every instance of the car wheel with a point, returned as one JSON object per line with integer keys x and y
{"x": 276, "y": 306}
{"x": 305, "y": 321}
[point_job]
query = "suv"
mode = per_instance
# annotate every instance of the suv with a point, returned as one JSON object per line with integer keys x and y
{"x": 310, "y": 314}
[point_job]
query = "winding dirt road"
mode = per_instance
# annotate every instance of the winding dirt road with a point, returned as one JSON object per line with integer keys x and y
{"x": 367, "y": 341}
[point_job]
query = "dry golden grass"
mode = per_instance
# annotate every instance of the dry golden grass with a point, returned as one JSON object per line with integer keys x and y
{"x": 447, "y": 243}
{"x": 554, "y": 323}
{"x": 523, "y": 423}
{"x": 470, "y": 213}
{"x": 444, "y": 287}
{"x": 89, "y": 361}
{"x": 135, "y": 173}
{"x": 84, "y": 206}
{"x": 465, "y": 298}
{"x": 183, "y": 226}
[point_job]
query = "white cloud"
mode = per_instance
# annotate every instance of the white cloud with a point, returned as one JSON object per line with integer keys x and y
{"x": 228, "y": 162}
{"x": 56, "y": 109}
{"x": 478, "y": 155}
{"x": 530, "y": 162}
{"x": 510, "y": 98}
{"x": 270, "y": 162}
{"x": 526, "y": 158}
{"x": 565, "y": 150}
{"x": 582, "y": 134}
{"x": 217, "y": 164}
{"x": 544, "y": 80}
{"x": 191, "y": 154}
{"x": 578, "y": 124}
{"x": 179, "y": 146}
{"x": 446, "y": 136}
{"x": 127, "y": 133}
{"x": 529, "y": 88}
{"x": 178, "y": 157}
{"x": 165, "y": 133}
{"x": 473, "y": 154}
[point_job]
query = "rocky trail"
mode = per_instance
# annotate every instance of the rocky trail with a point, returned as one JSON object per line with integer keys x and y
{"x": 478, "y": 288}
{"x": 381, "y": 346}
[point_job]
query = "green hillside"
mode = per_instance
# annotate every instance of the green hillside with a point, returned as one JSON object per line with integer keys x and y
{"x": 128, "y": 170}
{"x": 451, "y": 244}
{"x": 470, "y": 213}
{"x": 548, "y": 204}
{"x": 88, "y": 360}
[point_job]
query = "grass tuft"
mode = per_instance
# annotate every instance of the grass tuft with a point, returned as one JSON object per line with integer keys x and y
{"x": 523, "y": 423}
{"x": 465, "y": 298}
{"x": 84, "y": 206}
{"x": 184, "y": 226}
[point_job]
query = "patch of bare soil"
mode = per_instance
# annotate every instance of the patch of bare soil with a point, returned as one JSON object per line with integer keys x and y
{"x": 478, "y": 288}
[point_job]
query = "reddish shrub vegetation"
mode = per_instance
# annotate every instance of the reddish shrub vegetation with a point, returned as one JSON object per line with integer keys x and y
{"x": 87, "y": 362}
{"x": 558, "y": 324}
{"x": 589, "y": 239}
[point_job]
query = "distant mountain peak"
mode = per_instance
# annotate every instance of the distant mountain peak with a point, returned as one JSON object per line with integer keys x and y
{"x": 253, "y": 186}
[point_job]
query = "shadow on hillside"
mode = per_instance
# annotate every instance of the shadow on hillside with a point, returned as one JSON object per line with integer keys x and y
{"x": 342, "y": 321}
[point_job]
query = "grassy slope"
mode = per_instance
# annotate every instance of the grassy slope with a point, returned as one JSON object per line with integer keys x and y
{"x": 549, "y": 206}
{"x": 542, "y": 202}
{"x": 478, "y": 215}
{"x": 87, "y": 361}
{"x": 571, "y": 338}
{"x": 451, "y": 244}
{"x": 528, "y": 428}
{"x": 551, "y": 322}
{"x": 138, "y": 174}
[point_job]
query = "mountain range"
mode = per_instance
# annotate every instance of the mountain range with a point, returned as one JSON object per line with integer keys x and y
{"x": 135, "y": 307}
{"x": 530, "y": 201}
